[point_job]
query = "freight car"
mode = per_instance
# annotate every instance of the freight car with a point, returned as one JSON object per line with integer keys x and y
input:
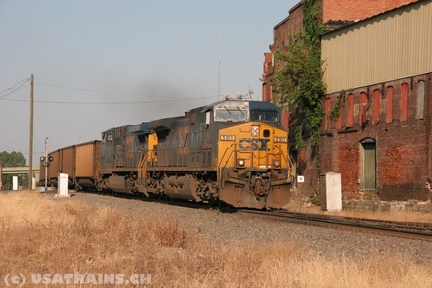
{"x": 233, "y": 151}
{"x": 79, "y": 161}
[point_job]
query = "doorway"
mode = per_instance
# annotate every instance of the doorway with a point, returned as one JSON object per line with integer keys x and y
{"x": 368, "y": 164}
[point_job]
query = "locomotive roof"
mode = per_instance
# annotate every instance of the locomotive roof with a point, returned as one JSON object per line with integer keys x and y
{"x": 147, "y": 127}
{"x": 251, "y": 103}
{"x": 140, "y": 128}
{"x": 166, "y": 122}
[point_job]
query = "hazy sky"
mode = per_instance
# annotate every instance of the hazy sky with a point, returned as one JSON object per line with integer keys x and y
{"x": 103, "y": 63}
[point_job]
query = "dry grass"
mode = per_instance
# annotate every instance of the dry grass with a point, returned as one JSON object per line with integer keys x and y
{"x": 41, "y": 235}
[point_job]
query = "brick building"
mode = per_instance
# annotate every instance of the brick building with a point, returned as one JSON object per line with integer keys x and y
{"x": 380, "y": 140}
{"x": 281, "y": 33}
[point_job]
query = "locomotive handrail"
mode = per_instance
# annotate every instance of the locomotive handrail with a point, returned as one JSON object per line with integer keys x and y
{"x": 142, "y": 166}
{"x": 290, "y": 171}
{"x": 223, "y": 156}
{"x": 220, "y": 167}
{"x": 290, "y": 164}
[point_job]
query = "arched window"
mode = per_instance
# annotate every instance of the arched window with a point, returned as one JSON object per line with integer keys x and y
{"x": 327, "y": 113}
{"x": 404, "y": 104}
{"x": 350, "y": 120}
{"x": 390, "y": 95}
{"x": 363, "y": 105}
{"x": 376, "y": 108}
{"x": 420, "y": 99}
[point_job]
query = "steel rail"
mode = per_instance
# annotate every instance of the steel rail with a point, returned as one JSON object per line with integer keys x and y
{"x": 413, "y": 230}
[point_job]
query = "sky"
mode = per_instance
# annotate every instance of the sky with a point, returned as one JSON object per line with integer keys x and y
{"x": 103, "y": 63}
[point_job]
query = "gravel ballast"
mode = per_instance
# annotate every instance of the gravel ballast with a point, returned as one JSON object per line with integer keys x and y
{"x": 237, "y": 229}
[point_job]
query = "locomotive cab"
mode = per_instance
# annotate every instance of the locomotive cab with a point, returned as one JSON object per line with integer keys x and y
{"x": 250, "y": 150}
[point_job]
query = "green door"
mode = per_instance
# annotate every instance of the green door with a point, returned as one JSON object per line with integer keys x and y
{"x": 368, "y": 165}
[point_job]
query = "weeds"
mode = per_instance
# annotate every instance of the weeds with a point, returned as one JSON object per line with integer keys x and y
{"x": 40, "y": 235}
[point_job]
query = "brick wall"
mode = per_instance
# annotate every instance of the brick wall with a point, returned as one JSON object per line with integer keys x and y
{"x": 403, "y": 144}
{"x": 267, "y": 72}
{"x": 352, "y": 10}
{"x": 281, "y": 34}
{"x": 286, "y": 28}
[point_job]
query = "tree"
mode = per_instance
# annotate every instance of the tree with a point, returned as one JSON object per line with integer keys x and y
{"x": 14, "y": 159}
{"x": 299, "y": 82}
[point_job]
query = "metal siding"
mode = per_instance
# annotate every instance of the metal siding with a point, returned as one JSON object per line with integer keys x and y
{"x": 67, "y": 161}
{"x": 84, "y": 159}
{"x": 390, "y": 46}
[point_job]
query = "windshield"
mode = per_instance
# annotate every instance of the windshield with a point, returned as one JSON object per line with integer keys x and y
{"x": 230, "y": 115}
{"x": 264, "y": 115}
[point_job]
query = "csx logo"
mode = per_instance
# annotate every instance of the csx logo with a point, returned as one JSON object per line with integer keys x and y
{"x": 246, "y": 144}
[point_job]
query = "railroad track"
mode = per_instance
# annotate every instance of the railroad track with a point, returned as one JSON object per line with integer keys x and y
{"x": 412, "y": 230}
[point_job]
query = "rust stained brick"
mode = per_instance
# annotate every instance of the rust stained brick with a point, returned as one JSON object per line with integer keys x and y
{"x": 352, "y": 10}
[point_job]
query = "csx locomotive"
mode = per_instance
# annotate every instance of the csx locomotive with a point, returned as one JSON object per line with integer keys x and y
{"x": 234, "y": 151}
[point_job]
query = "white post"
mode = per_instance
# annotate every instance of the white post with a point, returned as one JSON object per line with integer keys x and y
{"x": 14, "y": 182}
{"x": 63, "y": 185}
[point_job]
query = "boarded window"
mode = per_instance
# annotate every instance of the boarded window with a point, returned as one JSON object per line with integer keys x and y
{"x": 339, "y": 120}
{"x": 389, "y": 117}
{"x": 420, "y": 99}
{"x": 363, "y": 105}
{"x": 376, "y": 108}
{"x": 404, "y": 104}
{"x": 350, "y": 120}
{"x": 327, "y": 113}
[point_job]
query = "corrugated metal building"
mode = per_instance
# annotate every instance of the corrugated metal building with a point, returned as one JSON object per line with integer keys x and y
{"x": 389, "y": 46}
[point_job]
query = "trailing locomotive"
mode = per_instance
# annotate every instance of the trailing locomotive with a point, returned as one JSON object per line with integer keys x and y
{"x": 233, "y": 151}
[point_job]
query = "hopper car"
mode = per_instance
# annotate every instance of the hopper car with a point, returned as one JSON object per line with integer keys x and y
{"x": 80, "y": 162}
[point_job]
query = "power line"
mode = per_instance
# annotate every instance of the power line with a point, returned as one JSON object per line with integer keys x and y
{"x": 94, "y": 91}
{"x": 12, "y": 89}
{"x": 103, "y": 92}
{"x": 107, "y": 102}
{"x": 22, "y": 83}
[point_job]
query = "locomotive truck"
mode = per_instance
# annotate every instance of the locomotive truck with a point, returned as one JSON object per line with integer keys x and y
{"x": 234, "y": 151}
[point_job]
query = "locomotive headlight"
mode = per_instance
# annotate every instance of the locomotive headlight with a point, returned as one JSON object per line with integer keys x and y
{"x": 255, "y": 130}
{"x": 276, "y": 163}
{"x": 240, "y": 162}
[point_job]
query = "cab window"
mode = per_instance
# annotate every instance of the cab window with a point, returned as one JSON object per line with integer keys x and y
{"x": 264, "y": 115}
{"x": 230, "y": 115}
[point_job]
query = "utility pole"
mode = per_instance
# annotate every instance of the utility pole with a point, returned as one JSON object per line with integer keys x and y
{"x": 1, "y": 175}
{"x": 46, "y": 164}
{"x": 30, "y": 173}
